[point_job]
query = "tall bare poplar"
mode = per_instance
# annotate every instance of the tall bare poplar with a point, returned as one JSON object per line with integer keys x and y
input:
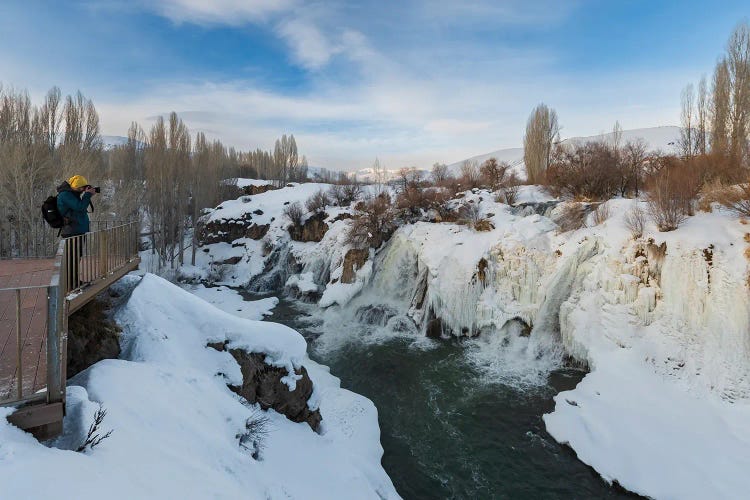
{"x": 701, "y": 130}
{"x": 687, "y": 139}
{"x": 719, "y": 137}
{"x": 542, "y": 130}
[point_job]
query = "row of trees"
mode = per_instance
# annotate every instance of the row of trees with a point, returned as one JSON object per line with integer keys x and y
{"x": 163, "y": 176}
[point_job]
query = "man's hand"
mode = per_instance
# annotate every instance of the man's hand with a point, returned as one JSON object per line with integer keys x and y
{"x": 90, "y": 189}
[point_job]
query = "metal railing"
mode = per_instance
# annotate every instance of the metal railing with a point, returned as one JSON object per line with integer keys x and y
{"x": 83, "y": 266}
{"x": 92, "y": 256}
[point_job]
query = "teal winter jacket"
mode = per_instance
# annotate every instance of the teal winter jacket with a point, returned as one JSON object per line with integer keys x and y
{"x": 74, "y": 208}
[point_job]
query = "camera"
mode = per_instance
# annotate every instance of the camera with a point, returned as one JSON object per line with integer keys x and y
{"x": 97, "y": 189}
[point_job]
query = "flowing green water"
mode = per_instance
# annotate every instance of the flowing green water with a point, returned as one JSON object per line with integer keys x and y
{"x": 447, "y": 431}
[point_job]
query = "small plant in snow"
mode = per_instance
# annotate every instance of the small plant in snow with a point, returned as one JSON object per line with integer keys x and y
{"x": 94, "y": 436}
{"x": 317, "y": 202}
{"x": 469, "y": 214}
{"x": 601, "y": 213}
{"x": 294, "y": 212}
{"x": 253, "y": 439}
{"x": 635, "y": 221}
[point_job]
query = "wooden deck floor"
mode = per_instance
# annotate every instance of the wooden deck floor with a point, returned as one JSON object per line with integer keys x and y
{"x": 17, "y": 273}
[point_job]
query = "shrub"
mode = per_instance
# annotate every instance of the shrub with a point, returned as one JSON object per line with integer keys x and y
{"x": 493, "y": 173}
{"x": 588, "y": 171}
{"x": 352, "y": 192}
{"x": 317, "y": 202}
{"x": 415, "y": 199}
{"x": 670, "y": 196}
{"x": 470, "y": 176}
{"x": 294, "y": 212}
{"x": 571, "y": 216}
{"x": 601, "y": 213}
{"x": 508, "y": 194}
{"x": 336, "y": 193}
{"x": 254, "y": 436}
{"x": 93, "y": 437}
{"x": 736, "y": 198}
{"x": 469, "y": 214}
{"x": 374, "y": 223}
{"x": 635, "y": 221}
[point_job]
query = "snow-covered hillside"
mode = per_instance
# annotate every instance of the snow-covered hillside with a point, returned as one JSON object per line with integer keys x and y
{"x": 663, "y": 321}
{"x": 656, "y": 139}
{"x": 180, "y": 432}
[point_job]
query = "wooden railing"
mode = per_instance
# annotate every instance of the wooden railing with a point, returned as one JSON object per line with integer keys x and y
{"x": 84, "y": 265}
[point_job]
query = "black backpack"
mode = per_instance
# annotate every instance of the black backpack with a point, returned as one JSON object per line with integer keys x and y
{"x": 51, "y": 214}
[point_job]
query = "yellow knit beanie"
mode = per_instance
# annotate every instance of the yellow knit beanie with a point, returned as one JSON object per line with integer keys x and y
{"x": 78, "y": 181}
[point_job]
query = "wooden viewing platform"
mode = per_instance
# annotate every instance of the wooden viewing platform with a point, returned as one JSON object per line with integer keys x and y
{"x": 36, "y": 298}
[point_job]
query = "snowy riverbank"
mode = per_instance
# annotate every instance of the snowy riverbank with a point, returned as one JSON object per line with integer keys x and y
{"x": 663, "y": 321}
{"x": 177, "y": 427}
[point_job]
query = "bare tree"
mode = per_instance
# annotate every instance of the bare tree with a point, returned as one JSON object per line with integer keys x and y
{"x": 470, "y": 175}
{"x": 439, "y": 173}
{"x": 702, "y": 112}
{"x": 542, "y": 130}
{"x": 686, "y": 141}
{"x": 720, "y": 106}
{"x": 738, "y": 65}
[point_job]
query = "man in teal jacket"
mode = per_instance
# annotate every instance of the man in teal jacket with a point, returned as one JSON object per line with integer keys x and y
{"x": 73, "y": 200}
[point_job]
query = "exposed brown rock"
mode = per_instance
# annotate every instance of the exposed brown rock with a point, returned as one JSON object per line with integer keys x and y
{"x": 229, "y": 230}
{"x": 313, "y": 229}
{"x": 262, "y": 383}
{"x": 253, "y": 190}
{"x": 353, "y": 260}
{"x": 92, "y": 337}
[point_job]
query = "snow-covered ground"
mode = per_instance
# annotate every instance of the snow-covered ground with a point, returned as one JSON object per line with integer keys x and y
{"x": 663, "y": 322}
{"x": 177, "y": 427}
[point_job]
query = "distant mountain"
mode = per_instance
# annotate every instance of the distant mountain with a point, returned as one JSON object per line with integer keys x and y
{"x": 111, "y": 141}
{"x": 656, "y": 139}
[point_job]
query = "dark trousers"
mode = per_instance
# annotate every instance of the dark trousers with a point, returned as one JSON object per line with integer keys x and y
{"x": 75, "y": 252}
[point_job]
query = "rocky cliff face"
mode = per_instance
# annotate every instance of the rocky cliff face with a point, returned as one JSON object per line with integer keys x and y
{"x": 231, "y": 229}
{"x": 313, "y": 229}
{"x": 263, "y": 384}
{"x": 92, "y": 337}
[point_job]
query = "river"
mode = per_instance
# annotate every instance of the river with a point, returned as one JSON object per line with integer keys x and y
{"x": 447, "y": 429}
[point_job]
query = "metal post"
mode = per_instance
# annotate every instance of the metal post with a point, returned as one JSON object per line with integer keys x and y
{"x": 102, "y": 253}
{"x": 19, "y": 345}
{"x": 54, "y": 351}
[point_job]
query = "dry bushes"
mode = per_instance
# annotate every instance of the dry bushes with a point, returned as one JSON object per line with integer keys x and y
{"x": 374, "y": 223}
{"x": 416, "y": 199}
{"x": 571, "y": 216}
{"x": 344, "y": 194}
{"x": 493, "y": 173}
{"x": 589, "y": 171}
{"x": 736, "y": 198}
{"x": 601, "y": 213}
{"x": 635, "y": 221}
{"x": 670, "y": 195}
{"x": 294, "y": 212}
{"x": 317, "y": 202}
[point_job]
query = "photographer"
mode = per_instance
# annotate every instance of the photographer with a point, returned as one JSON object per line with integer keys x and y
{"x": 73, "y": 200}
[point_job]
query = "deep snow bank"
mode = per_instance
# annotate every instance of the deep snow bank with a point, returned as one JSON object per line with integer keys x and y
{"x": 177, "y": 425}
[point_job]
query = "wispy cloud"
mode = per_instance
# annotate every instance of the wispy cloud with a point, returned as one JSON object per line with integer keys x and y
{"x": 229, "y": 12}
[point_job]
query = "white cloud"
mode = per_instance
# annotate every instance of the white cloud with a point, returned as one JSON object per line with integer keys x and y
{"x": 230, "y": 12}
{"x": 310, "y": 47}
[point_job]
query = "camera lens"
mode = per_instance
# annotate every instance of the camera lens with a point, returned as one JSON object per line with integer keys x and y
{"x": 98, "y": 189}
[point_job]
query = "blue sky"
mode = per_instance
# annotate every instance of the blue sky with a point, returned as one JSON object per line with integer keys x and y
{"x": 410, "y": 81}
